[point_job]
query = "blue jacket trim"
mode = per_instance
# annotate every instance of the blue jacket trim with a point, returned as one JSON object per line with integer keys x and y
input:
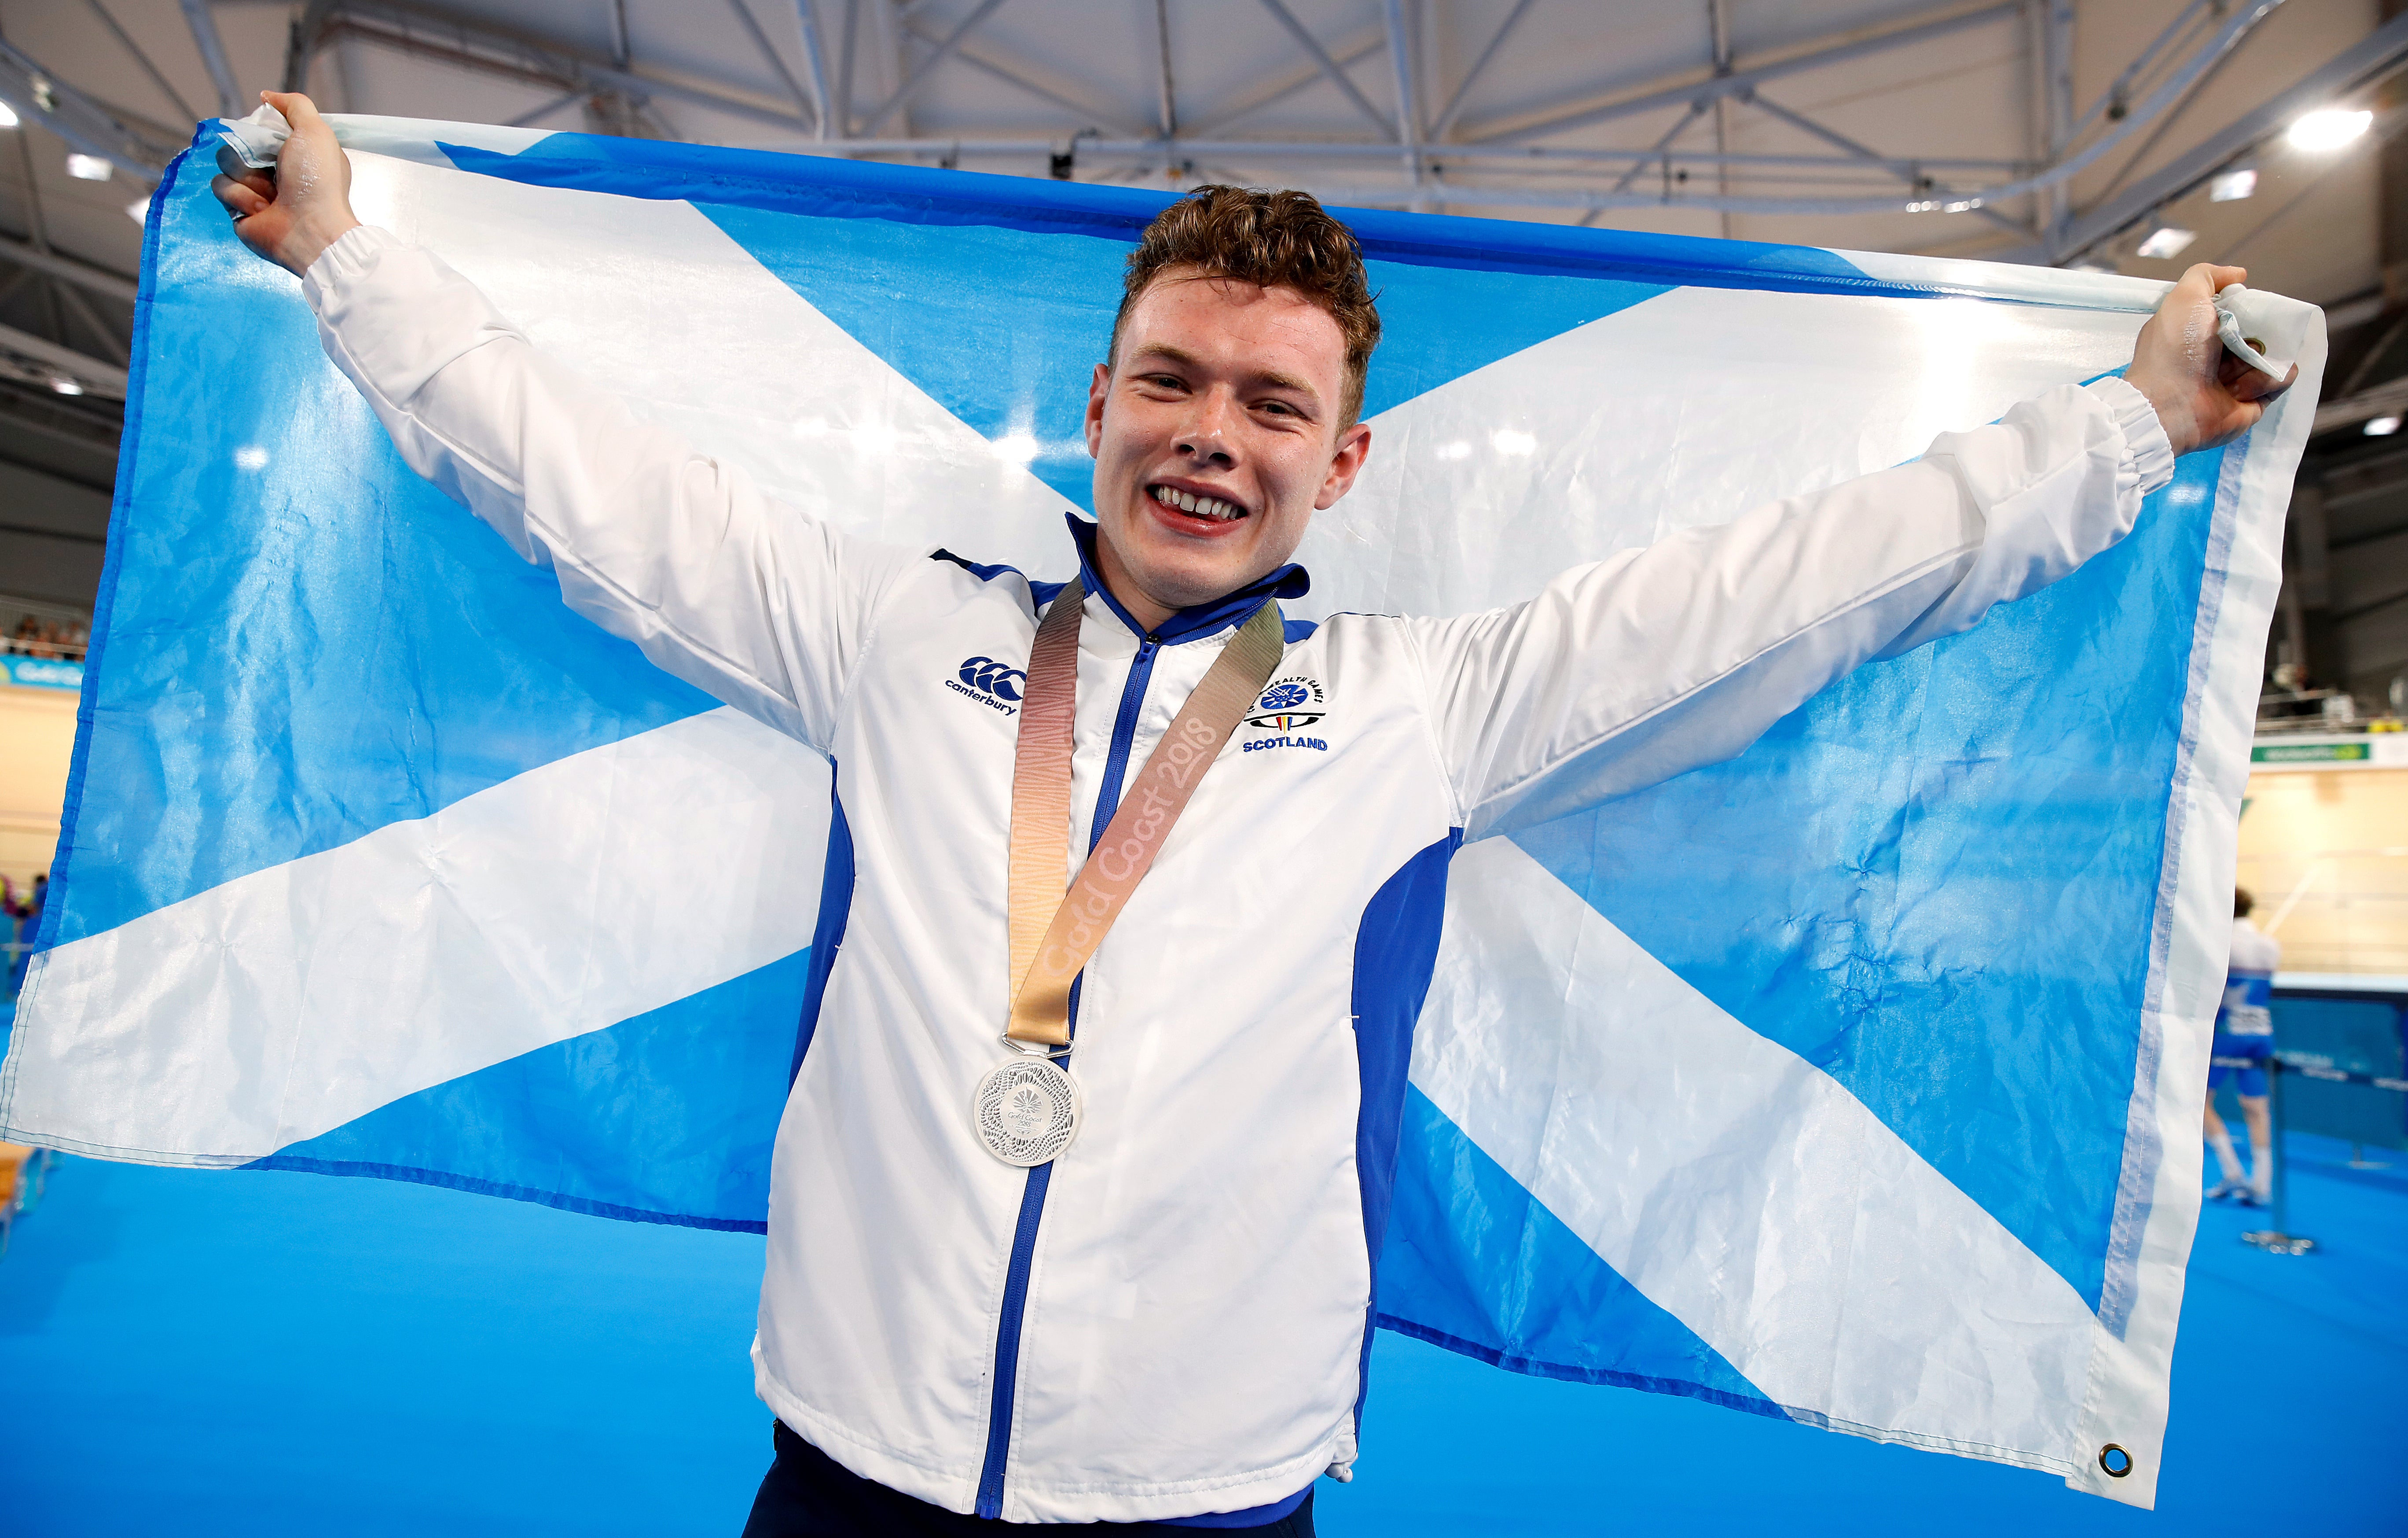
{"x": 1253, "y": 1516}
{"x": 1039, "y": 593}
{"x": 1289, "y": 582}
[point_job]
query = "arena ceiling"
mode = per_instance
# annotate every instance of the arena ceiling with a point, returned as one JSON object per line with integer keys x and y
{"x": 2050, "y": 131}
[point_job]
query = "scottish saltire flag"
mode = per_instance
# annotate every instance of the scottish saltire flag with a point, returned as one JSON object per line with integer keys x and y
{"x": 1856, "y": 1081}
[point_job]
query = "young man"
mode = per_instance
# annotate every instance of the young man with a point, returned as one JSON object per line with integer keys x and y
{"x": 1142, "y": 1294}
{"x": 2245, "y": 1028}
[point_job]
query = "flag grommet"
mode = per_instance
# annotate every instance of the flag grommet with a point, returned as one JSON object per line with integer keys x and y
{"x": 2116, "y": 1460}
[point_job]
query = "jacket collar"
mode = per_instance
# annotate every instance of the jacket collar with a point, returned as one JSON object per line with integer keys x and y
{"x": 1289, "y": 582}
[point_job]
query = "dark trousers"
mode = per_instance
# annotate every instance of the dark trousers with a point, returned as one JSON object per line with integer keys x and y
{"x": 808, "y": 1494}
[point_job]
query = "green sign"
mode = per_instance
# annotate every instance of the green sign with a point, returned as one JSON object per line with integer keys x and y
{"x": 2310, "y": 752}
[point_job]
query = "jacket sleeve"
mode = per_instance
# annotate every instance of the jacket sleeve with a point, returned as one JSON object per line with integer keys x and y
{"x": 1653, "y": 662}
{"x": 747, "y": 599}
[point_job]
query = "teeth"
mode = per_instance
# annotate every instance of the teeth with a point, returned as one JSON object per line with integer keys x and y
{"x": 1202, "y": 507}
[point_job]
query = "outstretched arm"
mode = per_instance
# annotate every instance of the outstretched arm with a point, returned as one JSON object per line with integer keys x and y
{"x": 748, "y": 599}
{"x": 1653, "y": 662}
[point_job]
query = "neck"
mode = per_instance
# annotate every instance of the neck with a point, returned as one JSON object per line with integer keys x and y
{"x": 1150, "y": 612}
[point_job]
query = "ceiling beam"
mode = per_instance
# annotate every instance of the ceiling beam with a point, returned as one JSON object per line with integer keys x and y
{"x": 919, "y": 76}
{"x": 134, "y": 145}
{"x": 2116, "y": 99}
{"x": 1710, "y": 87}
{"x": 1662, "y": 144}
{"x": 985, "y": 56}
{"x": 777, "y": 62}
{"x": 2364, "y": 63}
{"x": 1400, "y": 64}
{"x": 1328, "y": 66}
{"x": 29, "y": 410}
{"x": 1906, "y": 171}
{"x": 510, "y": 55}
{"x": 111, "y": 342}
{"x": 1355, "y": 48}
{"x": 1446, "y": 115}
{"x": 1166, "y": 115}
{"x": 82, "y": 274}
{"x": 125, "y": 41}
{"x": 97, "y": 378}
{"x": 2383, "y": 400}
{"x": 814, "y": 58}
{"x": 211, "y": 48}
{"x": 1503, "y": 159}
{"x": 37, "y": 532}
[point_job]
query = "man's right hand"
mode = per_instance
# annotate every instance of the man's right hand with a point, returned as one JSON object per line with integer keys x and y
{"x": 291, "y": 214}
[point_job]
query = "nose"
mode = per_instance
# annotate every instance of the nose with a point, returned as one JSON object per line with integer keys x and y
{"x": 1206, "y": 437}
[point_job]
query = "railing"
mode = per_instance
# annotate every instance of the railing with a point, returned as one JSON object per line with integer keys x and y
{"x": 2278, "y": 1239}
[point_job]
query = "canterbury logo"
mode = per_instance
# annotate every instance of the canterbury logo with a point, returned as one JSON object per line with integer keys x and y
{"x": 990, "y": 677}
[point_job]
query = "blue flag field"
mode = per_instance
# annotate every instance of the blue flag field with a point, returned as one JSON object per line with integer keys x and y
{"x": 1856, "y": 1079}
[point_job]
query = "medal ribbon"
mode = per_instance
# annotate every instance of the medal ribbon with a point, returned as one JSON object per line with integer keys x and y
{"x": 1051, "y": 939}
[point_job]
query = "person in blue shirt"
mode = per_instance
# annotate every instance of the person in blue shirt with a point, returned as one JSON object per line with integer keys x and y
{"x": 2245, "y": 1028}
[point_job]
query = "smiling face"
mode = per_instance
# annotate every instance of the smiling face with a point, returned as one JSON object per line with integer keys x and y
{"x": 1216, "y": 431}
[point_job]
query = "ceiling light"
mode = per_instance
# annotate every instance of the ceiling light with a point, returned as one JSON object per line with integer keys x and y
{"x": 2330, "y": 128}
{"x": 1015, "y": 449}
{"x": 139, "y": 210}
{"x": 2232, "y": 186}
{"x": 89, "y": 169}
{"x": 1506, "y": 440}
{"x": 7, "y": 116}
{"x": 2166, "y": 242}
{"x": 67, "y": 386}
{"x": 2091, "y": 264}
{"x": 2383, "y": 426}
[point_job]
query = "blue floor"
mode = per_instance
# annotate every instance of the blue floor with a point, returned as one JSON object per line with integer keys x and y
{"x": 289, "y": 1356}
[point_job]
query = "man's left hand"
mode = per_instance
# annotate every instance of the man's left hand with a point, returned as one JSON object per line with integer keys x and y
{"x": 2204, "y": 395}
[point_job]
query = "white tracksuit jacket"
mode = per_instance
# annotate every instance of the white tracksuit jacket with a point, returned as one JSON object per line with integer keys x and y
{"x": 1172, "y": 1318}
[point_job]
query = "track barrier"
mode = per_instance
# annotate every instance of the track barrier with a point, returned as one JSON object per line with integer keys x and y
{"x": 2278, "y": 1239}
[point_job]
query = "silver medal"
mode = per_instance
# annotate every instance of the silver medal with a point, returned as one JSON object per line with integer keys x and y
{"x": 1026, "y": 1111}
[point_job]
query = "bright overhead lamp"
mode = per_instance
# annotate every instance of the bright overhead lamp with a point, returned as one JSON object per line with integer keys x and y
{"x": 2166, "y": 242}
{"x": 2383, "y": 426}
{"x": 65, "y": 386}
{"x": 2232, "y": 186}
{"x": 89, "y": 169}
{"x": 7, "y": 116}
{"x": 139, "y": 210}
{"x": 2329, "y": 127}
{"x": 2090, "y": 263}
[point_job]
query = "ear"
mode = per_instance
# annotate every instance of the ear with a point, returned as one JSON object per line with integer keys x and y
{"x": 1354, "y": 448}
{"x": 1097, "y": 388}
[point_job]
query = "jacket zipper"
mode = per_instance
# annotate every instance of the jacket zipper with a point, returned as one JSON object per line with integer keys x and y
{"x": 1032, "y": 1196}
